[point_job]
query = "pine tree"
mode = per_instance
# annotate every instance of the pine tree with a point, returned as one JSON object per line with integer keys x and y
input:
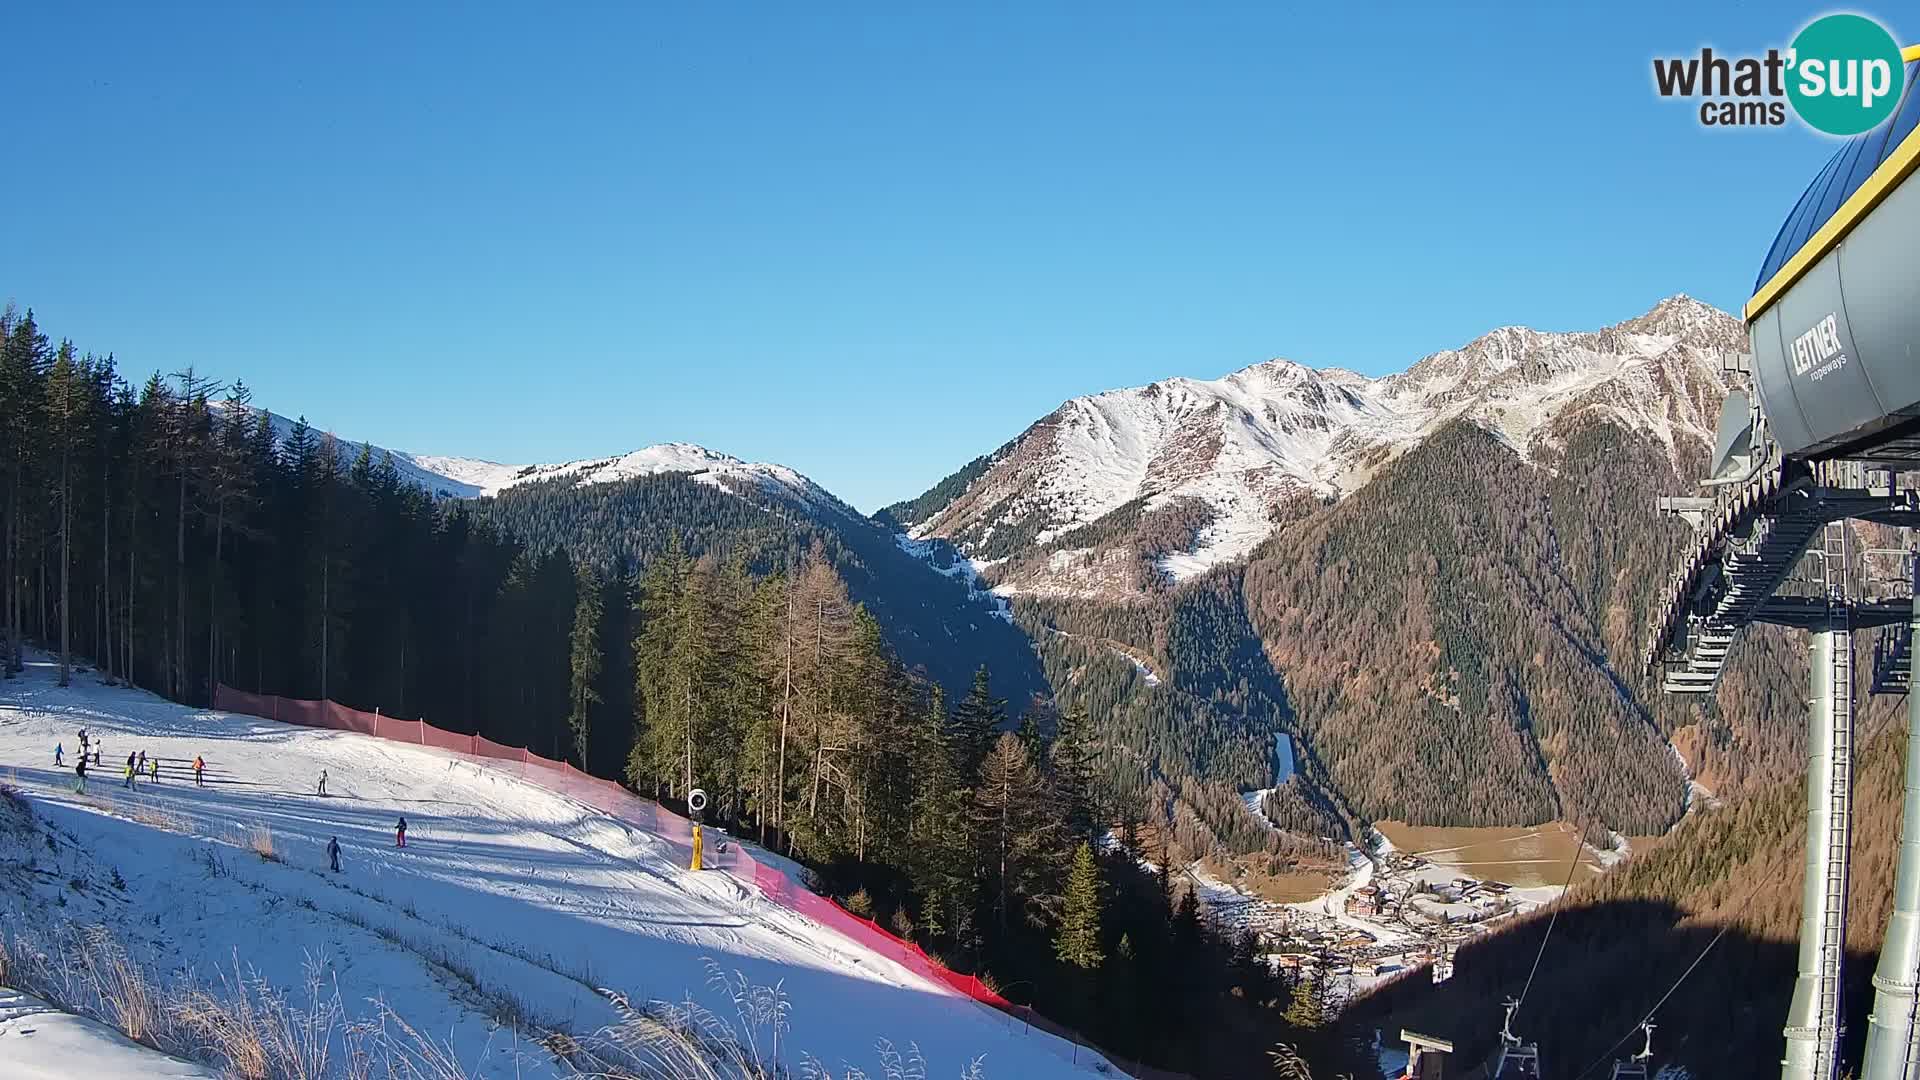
{"x": 1078, "y": 942}
{"x": 976, "y": 725}
{"x": 654, "y": 719}
{"x": 65, "y": 421}
{"x": 22, "y": 358}
{"x": 1019, "y": 833}
{"x": 940, "y": 862}
{"x": 586, "y": 662}
{"x": 1307, "y": 1009}
{"x": 1071, "y": 757}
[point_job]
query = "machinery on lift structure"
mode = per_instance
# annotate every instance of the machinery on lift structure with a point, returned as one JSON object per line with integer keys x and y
{"x": 1830, "y": 435}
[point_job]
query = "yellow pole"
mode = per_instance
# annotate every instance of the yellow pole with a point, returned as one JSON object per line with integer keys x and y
{"x": 696, "y": 847}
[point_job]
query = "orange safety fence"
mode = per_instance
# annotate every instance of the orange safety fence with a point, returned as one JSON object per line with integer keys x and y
{"x": 612, "y": 799}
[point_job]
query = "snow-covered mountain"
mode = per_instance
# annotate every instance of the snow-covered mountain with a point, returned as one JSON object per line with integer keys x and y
{"x": 1229, "y": 455}
{"x": 470, "y": 478}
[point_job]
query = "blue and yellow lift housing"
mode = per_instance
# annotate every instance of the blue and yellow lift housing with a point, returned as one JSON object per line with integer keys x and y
{"x": 1835, "y": 315}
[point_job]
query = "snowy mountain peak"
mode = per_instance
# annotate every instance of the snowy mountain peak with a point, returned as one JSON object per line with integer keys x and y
{"x": 1233, "y": 453}
{"x": 1690, "y": 321}
{"x": 471, "y": 477}
{"x": 468, "y": 478}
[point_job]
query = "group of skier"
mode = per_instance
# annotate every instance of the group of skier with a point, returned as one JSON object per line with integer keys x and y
{"x": 139, "y": 765}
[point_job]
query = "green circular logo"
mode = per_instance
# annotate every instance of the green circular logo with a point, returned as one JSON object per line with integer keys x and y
{"x": 1845, "y": 74}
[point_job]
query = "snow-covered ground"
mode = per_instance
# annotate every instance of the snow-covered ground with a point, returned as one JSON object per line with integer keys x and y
{"x": 39, "y": 1042}
{"x": 505, "y": 890}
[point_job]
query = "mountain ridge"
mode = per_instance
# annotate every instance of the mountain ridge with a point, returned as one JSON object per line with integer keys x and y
{"x": 1238, "y": 450}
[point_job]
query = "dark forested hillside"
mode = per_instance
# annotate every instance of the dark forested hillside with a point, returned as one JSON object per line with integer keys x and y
{"x": 1190, "y": 710}
{"x": 1443, "y": 664}
{"x": 1460, "y": 639}
{"x": 934, "y": 622}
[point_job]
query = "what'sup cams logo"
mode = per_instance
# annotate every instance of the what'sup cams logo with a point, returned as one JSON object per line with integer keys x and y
{"x": 1842, "y": 75}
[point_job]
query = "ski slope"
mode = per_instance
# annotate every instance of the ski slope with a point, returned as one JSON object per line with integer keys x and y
{"x": 505, "y": 889}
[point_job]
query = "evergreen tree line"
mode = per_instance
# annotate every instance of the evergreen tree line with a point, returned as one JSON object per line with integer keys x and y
{"x": 173, "y": 536}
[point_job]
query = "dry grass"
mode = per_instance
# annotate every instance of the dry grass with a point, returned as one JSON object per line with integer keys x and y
{"x": 243, "y": 1026}
{"x": 10, "y": 795}
{"x": 260, "y": 842}
{"x": 158, "y": 817}
{"x": 249, "y": 1030}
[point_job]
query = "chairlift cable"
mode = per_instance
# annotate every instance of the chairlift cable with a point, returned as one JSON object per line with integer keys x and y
{"x": 1553, "y": 918}
{"x": 1656, "y": 1005}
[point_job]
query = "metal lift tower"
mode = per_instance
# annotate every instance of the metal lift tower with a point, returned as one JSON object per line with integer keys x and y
{"x": 1833, "y": 436}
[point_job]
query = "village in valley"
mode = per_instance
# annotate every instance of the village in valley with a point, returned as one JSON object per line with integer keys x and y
{"x": 1400, "y": 912}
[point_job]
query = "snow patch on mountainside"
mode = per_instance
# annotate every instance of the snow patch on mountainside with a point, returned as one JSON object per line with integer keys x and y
{"x": 1248, "y": 443}
{"x": 945, "y": 561}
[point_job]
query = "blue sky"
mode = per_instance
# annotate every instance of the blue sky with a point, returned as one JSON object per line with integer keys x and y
{"x": 867, "y": 244}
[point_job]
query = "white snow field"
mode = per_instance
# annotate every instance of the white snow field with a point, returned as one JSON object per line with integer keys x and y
{"x": 505, "y": 890}
{"x": 39, "y": 1042}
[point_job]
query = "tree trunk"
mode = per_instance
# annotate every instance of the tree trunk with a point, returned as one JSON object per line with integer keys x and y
{"x": 326, "y": 564}
{"x": 66, "y": 561}
{"x": 7, "y": 611}
{"x": 213, "y": 596}
{"x": 177, "y": 679}
{"x": 786, "y": 714}
{"x": 133, "y": 578}
{"x": 106, "y": 576}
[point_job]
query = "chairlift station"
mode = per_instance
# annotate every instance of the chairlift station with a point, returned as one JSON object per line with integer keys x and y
{"x": 1823, "y": 429}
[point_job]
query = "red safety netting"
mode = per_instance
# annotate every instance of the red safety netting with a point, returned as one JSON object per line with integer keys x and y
{"x": 612, "y": 799}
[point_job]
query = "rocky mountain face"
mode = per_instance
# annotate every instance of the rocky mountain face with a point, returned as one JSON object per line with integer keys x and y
{"x": 1430, "y": 585}
{"x": 1115, "y": 492}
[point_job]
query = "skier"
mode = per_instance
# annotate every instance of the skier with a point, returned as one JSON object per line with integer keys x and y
{"x": 333, "y": 852}
{"x": 199, "y": 767}
{"x": 153, "y": 769}
{"x": 400, "y": 834}
{"x": 96, "y": 751}
{"x": 323, "y": 782}
{"x": 58, "y": 750}
{"x": 129, "y": 772}
{"x": 80, "y": 772}
{"x": 143, "y": 761}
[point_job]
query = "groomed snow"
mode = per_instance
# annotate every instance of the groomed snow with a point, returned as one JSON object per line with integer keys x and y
{"x": 39, "y": 1042}
{"x": 534, "y": 894}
